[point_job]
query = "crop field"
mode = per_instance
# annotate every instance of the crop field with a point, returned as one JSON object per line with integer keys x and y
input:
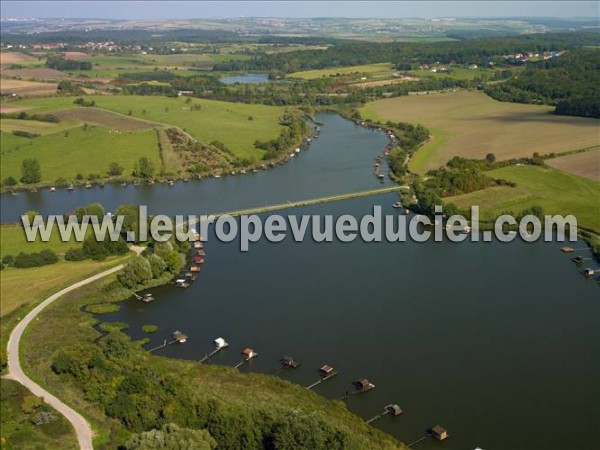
{"x": 586, "y": 164}
{"x": 555, "y": 191}
{"x": 78, "y": 151}
{"x": 8, "y": 58}
{"x": 369, "y": 70}
{"x": 76, "y": 56}
{"x": 471, "y": 124}
{"x": 103, "y": 118}
{"x": 35, "y": 126}
{"x": 36, "y": 73}
{"x": 26, "y": 88}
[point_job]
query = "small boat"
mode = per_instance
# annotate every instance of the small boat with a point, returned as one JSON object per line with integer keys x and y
{"x": 136, "y": 183}
{"x": 243, "y": 172}
{"x": 171, "y": 183}
{"x": 70, "y": 187}
{"x": 52, "y": 189}
{"x": 147, "y": 298}
{"x": 217, "y": 176}
{"x": 397, "y": 205}
{"x": 297, "y": 150}
{"x": 254, "y": 170}
{"x": 466, "y": 229}
{"x": 380, "y": 176}
{"x": 124, "y": 183}
{"x": 88, "y": 185}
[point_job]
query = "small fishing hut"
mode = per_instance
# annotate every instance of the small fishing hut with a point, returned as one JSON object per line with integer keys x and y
{"x": 178, "y": 336}
{"x": 363, "y": 385}
{"x": 589, "y": 272}
{"x": 567, "y": 249}
{"x": 393, "y": 410}
{"x": 195, "y": 269}
{"x": 147, "y": 298}
{"x": 197, "y": 244}
{"x": 577, "y": 259}
{"x": 181, "y": 283}
{"x": 439, "y": 433}
{"x": 326, "y": 371}
{"x": 221, "y": 343}
{"x": 248, "y": 354}
{"x": 288, "y": 361}
{"x": 198, "y": 259}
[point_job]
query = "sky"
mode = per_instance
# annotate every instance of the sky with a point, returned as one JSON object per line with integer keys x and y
{"x": 146, "y": 10}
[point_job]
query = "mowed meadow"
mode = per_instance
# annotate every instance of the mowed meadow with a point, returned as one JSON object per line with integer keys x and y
{"x": 122, "y": 129}
{"x": 471, "y": 124}
{"x": 236, "y": 125}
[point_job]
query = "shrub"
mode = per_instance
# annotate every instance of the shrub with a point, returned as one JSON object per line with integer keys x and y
{"x": 75, "y": 254}
{"x": 43, "y": 258}
{"x": 9, "y": 181}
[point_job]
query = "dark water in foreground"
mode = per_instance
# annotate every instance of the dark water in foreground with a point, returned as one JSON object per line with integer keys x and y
{"x": 496, "y": 342}
{"x": 339, "y": 161}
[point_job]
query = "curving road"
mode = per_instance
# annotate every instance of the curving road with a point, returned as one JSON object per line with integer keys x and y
{"x": 81, "y": 426}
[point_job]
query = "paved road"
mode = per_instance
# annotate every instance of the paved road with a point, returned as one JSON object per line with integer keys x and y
{"x": 81, "y": 426}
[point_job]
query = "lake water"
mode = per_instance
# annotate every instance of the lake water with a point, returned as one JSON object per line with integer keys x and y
{"x": 499, "y": 343}
{"x": 247, "y": 78}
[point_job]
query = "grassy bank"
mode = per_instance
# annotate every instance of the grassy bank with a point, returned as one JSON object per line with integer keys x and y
{"x": 555, "y": 191}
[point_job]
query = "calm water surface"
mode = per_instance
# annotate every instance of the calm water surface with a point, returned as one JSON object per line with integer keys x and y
{"x": 499, "y": 343}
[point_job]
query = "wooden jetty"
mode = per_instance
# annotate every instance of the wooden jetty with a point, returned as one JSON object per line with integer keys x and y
{"x": 391, "y": 409}
{"x": 247, "y": 355}
{"x": 288, "y": 361}
{"x": 437, "y": 432}
{"x": 177, "y": 337}
{"x": 327, "y": 372}
{"x": 580, "y": 259}
{"x": 220, "y": 344}
{"x": 360, "y": 386}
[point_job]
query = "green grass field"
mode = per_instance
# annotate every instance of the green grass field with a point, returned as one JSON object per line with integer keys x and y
{"x": 13, "y": 241}
{"x": 555, "y": 191}
{"x": 18, "y": 432}
{"x": 68, "y": 153}
{"x": 215, "y": 120}
{"x": 36, "y": 126}
{"x": 370, "y": 70}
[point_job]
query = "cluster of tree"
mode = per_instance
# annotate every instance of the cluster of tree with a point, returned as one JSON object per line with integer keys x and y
{"x": 155, "y": 75}
{"x": 161, "y": 261}
{"x": 100, "y": 250}
{"x": 145, "y": 397}
{"x": 295, "y": 128}
{"x": 144, "y": 168}
{"x": 570, "y": 81}
{"x": 459, "y": 176}
{"x": 25, "y": 134}
{"x": 69, "y": 88}
{"x": 80, "y": 101}
{"x": 24, "y": 115}
{"x": 26, "y": 260}
{"x": 479, "y": 51}
{"x": 60, "y": 63}
{"x": 31, "y": 171}
{"x": 150, "y": 89}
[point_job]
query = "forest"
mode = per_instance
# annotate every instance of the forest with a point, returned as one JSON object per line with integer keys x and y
{"x": 571, "y": 82}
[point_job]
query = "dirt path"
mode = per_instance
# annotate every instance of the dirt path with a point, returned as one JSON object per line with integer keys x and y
{"x": 15, "y": 370}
